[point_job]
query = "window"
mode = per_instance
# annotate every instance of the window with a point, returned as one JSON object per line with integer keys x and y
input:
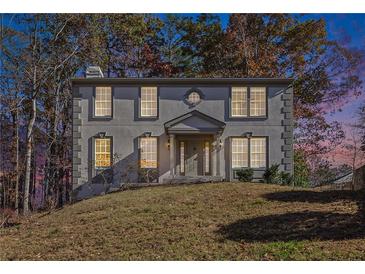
{"x": 207, "y": 156}
{"x": 257, "y": 101}
{"x": 254, "y": 147}
{"x": 148, "y": 158}
{"x": 256, "y": 96}
{"x": 103, "y": 102}
{"x": 182, "y": 157}
{"x": 258, "y": 152}
{"x": 239, "y": 102}
{"x": 194, "y": 98}
{"x": 239, "y": 152}
{"x": 148, "y": 102}
{"x": 102, "y": 153}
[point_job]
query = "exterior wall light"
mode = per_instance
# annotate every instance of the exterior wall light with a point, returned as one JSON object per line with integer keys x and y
{"x": 248, "y": 134}
{"x": 101, "y": 135}
{"x": 147, "y": 134}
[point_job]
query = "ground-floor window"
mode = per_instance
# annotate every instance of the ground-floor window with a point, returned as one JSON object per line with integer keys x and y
{"x": 102, "y": 152}
{"x": 148, "y": 152}
{"x": 258, "y": 152}
{"x": 239, "y": 152}
{"x": 248, "y": 152}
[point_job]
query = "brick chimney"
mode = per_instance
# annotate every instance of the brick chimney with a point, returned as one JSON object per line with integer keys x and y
{"x": 94, "y": 72}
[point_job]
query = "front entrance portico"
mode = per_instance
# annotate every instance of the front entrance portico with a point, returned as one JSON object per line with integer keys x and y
{"x": 194, "y": 143}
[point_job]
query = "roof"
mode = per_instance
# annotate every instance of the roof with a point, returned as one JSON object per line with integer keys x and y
{"x": 181, "y": 81}
{"x": 343, "y": 179}
{"x": 194, "y": 121}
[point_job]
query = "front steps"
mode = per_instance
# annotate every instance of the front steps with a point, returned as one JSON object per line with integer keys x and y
{"x": 192, "y": 179}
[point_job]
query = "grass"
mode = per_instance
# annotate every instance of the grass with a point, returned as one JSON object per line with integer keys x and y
{"x": 223, "y": 221}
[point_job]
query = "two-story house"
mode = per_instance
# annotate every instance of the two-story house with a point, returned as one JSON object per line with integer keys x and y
{"x": 129, "y": 130}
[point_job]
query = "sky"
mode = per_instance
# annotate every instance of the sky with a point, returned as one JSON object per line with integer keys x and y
{"x": 349, "y": 29}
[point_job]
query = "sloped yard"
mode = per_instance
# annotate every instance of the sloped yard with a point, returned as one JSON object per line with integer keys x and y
{"x": 223, "y": 221}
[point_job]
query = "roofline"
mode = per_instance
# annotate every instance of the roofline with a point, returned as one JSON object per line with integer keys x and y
{"x": 182, "y": 81}
{"x": 189, "y": 114}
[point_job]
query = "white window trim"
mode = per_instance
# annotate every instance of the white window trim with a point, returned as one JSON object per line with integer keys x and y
{"x": 260, "y": 107}
{"x": 105, "y": 100}
{"x": 258, "y": 103}
{"x": 244, "y": 103}
{"x": 251, "y": 158}
{"x": 261, "y": 153}
{"x": 235, "y": 153}
{"x": 149, "y": 104}
{"x": 149, "y": 152}
{"x": 96, "y": 152}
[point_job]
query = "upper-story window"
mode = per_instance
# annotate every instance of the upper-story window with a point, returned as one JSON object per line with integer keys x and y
{"x": 248, "y": 102}
{"x": 194, "y": 98}
{"x": 239, "y": 102}
{"x": 103, "y": 102}
{"x": 257, "y": 101}
{"x": 148, "y": 102}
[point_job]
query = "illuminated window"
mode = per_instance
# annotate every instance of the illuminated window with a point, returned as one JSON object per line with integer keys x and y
{"x": 239, "y": 152}
{"x": 103, "y": 101}
{"x": 239, "y": 102}
{"x": 258, "y": 152}
{"x": 148, "y": 154}
{"x": 194, "y": 98}
{"x": 182, "y": 157}
{"x": 257, "y": 101}
{"x": 102, "y": 153}
{"x": 149, "y": 102}
{"x": 207, "y": 156}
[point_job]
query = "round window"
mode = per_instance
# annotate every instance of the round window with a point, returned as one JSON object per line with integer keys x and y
{"x": 194, "y": 98}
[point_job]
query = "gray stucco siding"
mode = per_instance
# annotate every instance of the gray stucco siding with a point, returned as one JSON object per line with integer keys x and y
{"x": 126, "y": 127}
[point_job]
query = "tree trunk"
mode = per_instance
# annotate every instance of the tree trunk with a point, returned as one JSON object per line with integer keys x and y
{"x": 28, "y": 156}
{"x": 17, "y": 162}
{"x": 68, "y": 188}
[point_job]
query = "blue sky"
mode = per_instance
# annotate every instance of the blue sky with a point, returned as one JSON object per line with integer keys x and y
{"x": 349, "y": 29}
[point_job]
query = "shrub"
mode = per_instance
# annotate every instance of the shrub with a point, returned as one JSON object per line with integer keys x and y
{"x": 301, "y": 169}
{"x": 286, "y": 178}
{"x": 245, "y": 174}
{"x": 272, "y": 175}
{"x": 5, "y": 217}
{"x": 148, "y": 175}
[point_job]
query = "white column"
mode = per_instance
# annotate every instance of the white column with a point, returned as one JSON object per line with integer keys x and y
{"x": 218, "y": 151}
{"x": 172, "y": 155}
{"x": 214, "y": 156}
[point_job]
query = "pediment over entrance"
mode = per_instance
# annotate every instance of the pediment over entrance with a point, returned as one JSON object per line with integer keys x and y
{"x": 194, "y": 122}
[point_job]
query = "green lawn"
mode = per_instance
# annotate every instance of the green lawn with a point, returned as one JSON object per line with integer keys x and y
{"x": 223, "y": 221}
